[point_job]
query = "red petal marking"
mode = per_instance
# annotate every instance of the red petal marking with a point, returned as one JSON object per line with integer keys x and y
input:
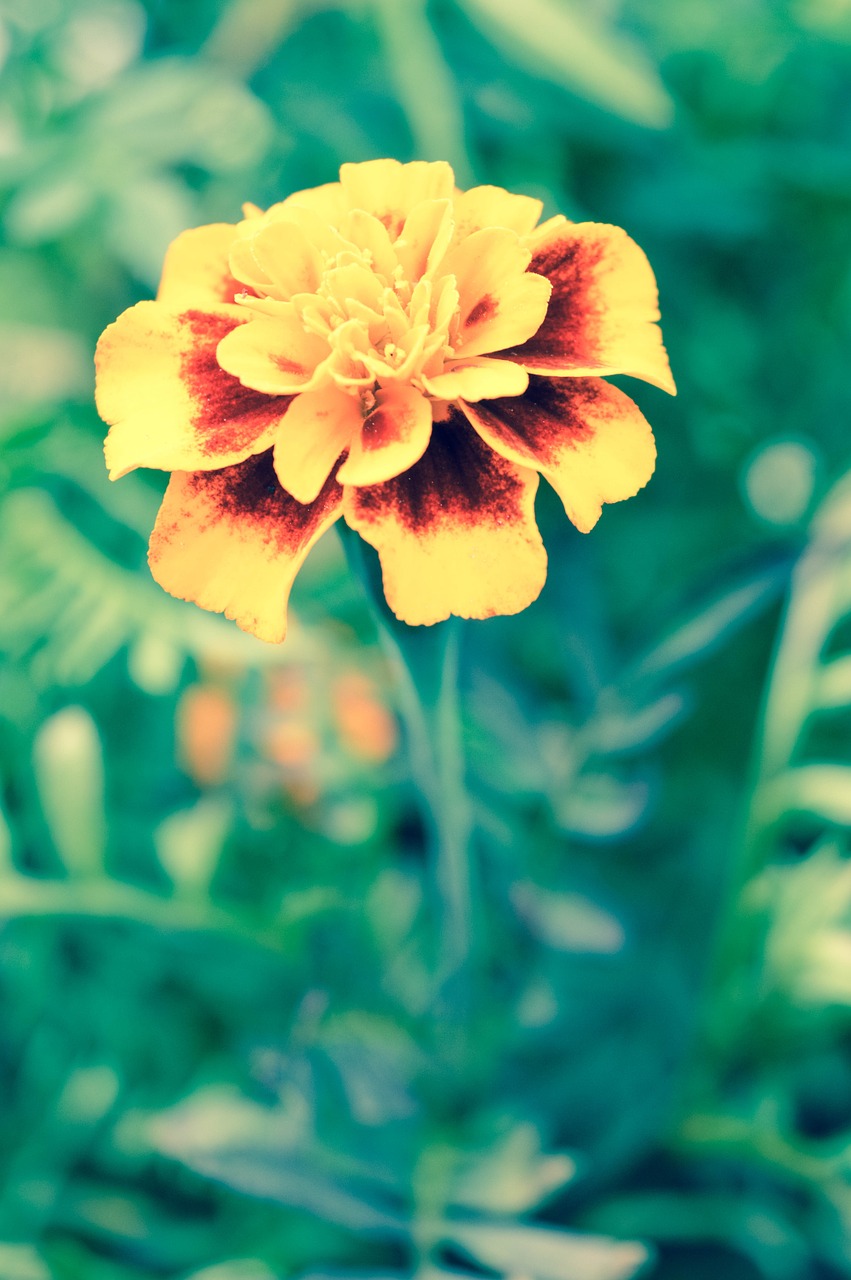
{"x": 289, "y": 366}
{"x": 456, "y": 533}
{"x": 380, "y": 428}
{"x": 551, "y": 415}
{"x": 574, "y": 318}
{"x": 226, "y": 287}
{"x": 483, "y": 310}
{"x": 590, "y": 440}
{"x": 602, "y": 315}
{"x": 459, "y": 480}
{"x": 249, "y": 493}
{"x": 228, "y": 416}
{"x": 390, "y": 440}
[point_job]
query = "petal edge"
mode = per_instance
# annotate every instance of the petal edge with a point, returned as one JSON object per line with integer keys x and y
{"x": 589, "y": 440}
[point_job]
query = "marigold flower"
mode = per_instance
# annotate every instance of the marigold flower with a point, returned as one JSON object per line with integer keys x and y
{"x": 206, "y": 725}
{"x": 394, "y": 351}
{"x": 365, "y": 724}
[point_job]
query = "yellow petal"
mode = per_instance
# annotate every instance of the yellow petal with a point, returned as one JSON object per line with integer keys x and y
{"x": 326, "y": 201}
{"x": 603, "y": 311}
{"x": 591, "y": 441}
{"x": 478, "y": 379}
{"x": 317, "y": 228}
{"x": 494, "y": 207}
{"x": 365, "y": 231}
{"x": 169, "y": 403}
{"x": 389, "y": 190}
{"x": 500, "y": 299}
{"x": 544, "y": 231}
{"x": 392, "y": 438}
{"x": 319, "y": 425}
{"x": 456, "y": 534}
{"x": 425, "y": 237}
{"x": 354, "y": 282}
{"x": 244, "y": 266}
{"x": 287, "y": 259}
{"x": 273, "y": 354}
{"x": 196, "y": 271}
{"x": 233, "y": 541}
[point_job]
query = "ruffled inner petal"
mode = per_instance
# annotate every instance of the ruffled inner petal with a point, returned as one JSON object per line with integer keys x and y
{"x": 233, "y": 541}
{"x": 168, "y": 402}
{"x": 364, "y": 230}
{"x": 500, "y": 299}
{"x": 590, "y": 440}
{"x": 425, "y": 237}
{"x": 602, "y": 315}
{"x": 479, "y": 378}
{"x": 456, "y": 533}
{"x": 317, "y": 429}
{"x": 274, "y": 353}
{"x": 389, "y": 189}
{"x": 392, "y": 438}
{"x": 287, "y": 259}
{"x": 494, "y": 207}
{"x": 326, "y": 202}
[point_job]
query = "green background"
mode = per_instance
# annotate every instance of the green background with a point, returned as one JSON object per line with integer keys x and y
{"x": 224, "y": 1049}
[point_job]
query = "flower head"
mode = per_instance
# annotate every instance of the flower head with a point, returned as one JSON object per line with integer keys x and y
{"x": 390, "y": 350}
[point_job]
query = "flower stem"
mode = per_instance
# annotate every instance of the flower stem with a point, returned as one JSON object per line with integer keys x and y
{"x": 452, "y": 810}
{"x": 425, "y": 663}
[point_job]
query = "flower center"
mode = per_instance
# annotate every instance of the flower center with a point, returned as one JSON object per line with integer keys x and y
{"x": 381, "y": 309}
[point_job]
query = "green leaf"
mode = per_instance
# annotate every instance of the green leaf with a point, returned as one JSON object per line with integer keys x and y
{"x": 599, "y": 806}
{"x": 564, "y": 43}
{"x": 21, "y": 1262}
{"x": 834, "y": 684}
{"x": 424, "y": 83}
{"x": 714, "y": 622}
{"x": 49, "y": 206}
{"x": 513, "y": 1176}
{"x": 549, "y": 1255}
{"x": 235, "y": 1269}
{"x": 6, "y": 843}
{"x": 74, "y": 607}
{"x": 616, "y": 727}
{"x": 189, "y": 843}
{"x": 42, "y": 365}
{"x": 807, "y": 951}
{"x": 154, "y": 663}
{"x": 148, "y": 214}
{"x": 786, "y": 927}
{"x": 820, "y": 790}
{"x": 69, "y": 773}
{"x": 567, "y": 921}
{"x": 265, "y": 1153}
{"x": 176, "y": 110}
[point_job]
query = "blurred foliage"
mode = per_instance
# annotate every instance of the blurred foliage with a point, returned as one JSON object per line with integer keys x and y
{"x": 227, "y": 1050}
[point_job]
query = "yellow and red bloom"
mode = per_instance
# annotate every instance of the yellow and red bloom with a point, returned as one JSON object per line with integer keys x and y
{"x": 394, "y": 351}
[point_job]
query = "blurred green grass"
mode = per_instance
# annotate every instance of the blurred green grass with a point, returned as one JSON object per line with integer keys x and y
{"x": 222, "y": 1052}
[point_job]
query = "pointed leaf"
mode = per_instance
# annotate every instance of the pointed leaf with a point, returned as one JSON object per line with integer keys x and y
{"x": 549, "y": 1255}
{"x": 565, "y": 43}
{"x": 69, "y": 773}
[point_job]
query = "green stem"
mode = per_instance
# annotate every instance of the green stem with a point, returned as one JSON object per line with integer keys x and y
{"x": 452, "y": 812}
{"x": 24, "y": 896}
{"x": 425, "y": 665}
